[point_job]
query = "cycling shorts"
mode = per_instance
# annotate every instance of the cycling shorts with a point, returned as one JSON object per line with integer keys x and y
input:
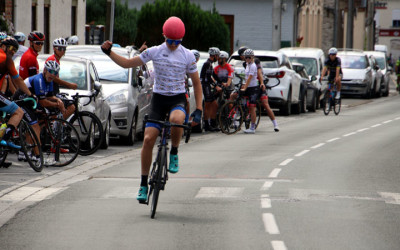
{"x": 161, "y": 105}
{"x": 263, "y": 94}
{"x": 7, "y": 106}
{"x": 252, "y": 93}
{"x": 30, "y": 115}
{"x": 208, "y": 93}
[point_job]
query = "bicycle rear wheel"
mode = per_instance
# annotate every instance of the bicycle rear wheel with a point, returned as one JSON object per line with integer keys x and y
{"x": 327, "y": 103}
{"x": 90, "y": 131}
{"x": 338, "y": 104}
{"x": 157, "y": 179}
{"x": 247, "y": 116}
{"x": 231, "y": 117}
{"x": 31, "y": 146}
{"x": 60, "y": 142}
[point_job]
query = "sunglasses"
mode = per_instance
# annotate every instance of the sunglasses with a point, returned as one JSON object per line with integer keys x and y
{"x": 61, "y": 48}
{"x": 247, "y": 57}
{"x": 38, "y": 43}
{"x": 12, "y": 48}
{"x": 53, "y": 72}
{"x": 174, "y": 42}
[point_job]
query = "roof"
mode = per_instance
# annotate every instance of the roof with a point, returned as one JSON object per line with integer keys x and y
{"x": 302, "y": 52}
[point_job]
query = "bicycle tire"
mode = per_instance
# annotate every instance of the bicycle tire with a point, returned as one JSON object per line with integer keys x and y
{"x": 247, "y": 121}
{"x": 157, "y": 181}
{"x": 30, "y": 142}
{"x": 338, "y": 104}
{"x": 229, "y": 119}
{"x": 3, "y": 155}
{"x": 92, "y": 136}
{"x": 327, "y": 103}
{"x": 58, "y": 137}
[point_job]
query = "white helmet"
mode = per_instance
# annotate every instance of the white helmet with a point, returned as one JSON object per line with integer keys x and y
{"x": 333, "y": 51}
{"x": 52, "y": 66}
{"x": 196, "y": 53}
{"x": 213, "y": 51}
{"x": 73, "y": 40}
{"x": 60, "y": 42}
{"x": 223, "y": 54}
{"x": 19, "y": 36}
{"x": 248, "y": 52}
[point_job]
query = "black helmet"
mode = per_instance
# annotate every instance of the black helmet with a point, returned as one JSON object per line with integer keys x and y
{"x": 36, "y": 36}
{"x": 241, "y": 50}
{"x": 10, "y": 41}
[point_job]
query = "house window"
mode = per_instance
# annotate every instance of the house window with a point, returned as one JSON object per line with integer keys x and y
{"x": 396, "y": 18}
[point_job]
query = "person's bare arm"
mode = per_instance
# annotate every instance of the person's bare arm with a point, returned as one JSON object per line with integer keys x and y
{"x": 120, "y": 60}
{"x": 66, "y": 84}
{"x": 261, "y": 78}
{"x": 21, "y": 85}
{"x": 4, "y": 86}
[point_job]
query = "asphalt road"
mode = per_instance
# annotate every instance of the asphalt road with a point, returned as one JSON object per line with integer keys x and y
{"x": 322, "y": 182}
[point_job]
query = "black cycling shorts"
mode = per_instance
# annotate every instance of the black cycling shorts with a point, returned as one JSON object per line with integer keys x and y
{"x": 208, "y": 92}
{"x": 161, "y": 105}
{"x": 253, "y": 94}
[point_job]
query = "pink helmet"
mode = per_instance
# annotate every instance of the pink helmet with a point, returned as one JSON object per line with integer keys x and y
{"x": 174, "y": 28}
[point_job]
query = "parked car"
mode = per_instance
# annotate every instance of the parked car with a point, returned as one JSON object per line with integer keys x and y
{"x": 376, "y": 76}
{"x": 357, "y": 73}
{"x": 309, "y": 101}
{"x": 313, "y": 60}
{"x": 287, "y": 96}
{"x": 385, "y": 69}
{"x": 83, "y": 72}
{"x": 127, "y": 91}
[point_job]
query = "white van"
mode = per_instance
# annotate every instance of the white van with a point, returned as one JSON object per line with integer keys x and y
{"x": 383, "y": 48}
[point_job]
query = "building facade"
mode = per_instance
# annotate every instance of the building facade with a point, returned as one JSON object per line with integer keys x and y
{"x": 55, "y": 18}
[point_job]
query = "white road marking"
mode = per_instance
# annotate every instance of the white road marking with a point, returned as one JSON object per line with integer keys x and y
{"x": 278, "y": 245}
{"x": 397, "y": 118}
{"x": 387, "y": 121}
{"x": 285, "y": 162}
{"x": 376, "y": 125}
{"x": 302, "y": 152}
{"x": 274, "y": 173}
{"x": 20, "y": 194}
{"x": 43, "y": 194}
{"x": 318, "y": 145}
{"x": 265, "y": 201}
{"x": 333, "y": 139}
{"x": 270, "y": 224}
{"x": 219, "y": 192}
{"x": 390, "y": 198}
{"x": 267, "y": 185}
{"x": 362, "y": 130}
{"x": 352, "y": 133}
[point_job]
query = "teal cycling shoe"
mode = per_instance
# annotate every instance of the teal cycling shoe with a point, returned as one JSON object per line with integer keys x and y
{"x": 173, "y": 164}
{"x": 142, "y": 194}
{"x": 9, "y": 144}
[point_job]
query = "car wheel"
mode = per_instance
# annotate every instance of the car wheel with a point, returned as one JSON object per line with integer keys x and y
{"x": 313, "y": 105}
{"x": 106, "y": 141}
{"x": 131, "y": 138}
{"x": 286, "y": 109}
{"x": 297, "y": 108}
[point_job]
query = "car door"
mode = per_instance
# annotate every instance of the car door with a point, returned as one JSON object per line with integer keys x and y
{"x": 295, "y": 78}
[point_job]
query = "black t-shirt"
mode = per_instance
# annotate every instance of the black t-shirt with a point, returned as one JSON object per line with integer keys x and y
{"x": 332, "y": 66}
{"x": 206, "y": 72}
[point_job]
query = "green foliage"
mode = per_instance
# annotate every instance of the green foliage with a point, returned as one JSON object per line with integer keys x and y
{"x": 204, "y": 29}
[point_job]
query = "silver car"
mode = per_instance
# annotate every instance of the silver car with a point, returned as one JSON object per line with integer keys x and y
{"x": 386, "y": 70}
{"x": 127, "y": 91}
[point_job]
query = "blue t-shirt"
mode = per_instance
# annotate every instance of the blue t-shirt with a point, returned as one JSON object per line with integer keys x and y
{"x": 38, "y": 85}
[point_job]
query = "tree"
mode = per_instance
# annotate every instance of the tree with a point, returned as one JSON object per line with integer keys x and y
{"x": 204, "y": 29}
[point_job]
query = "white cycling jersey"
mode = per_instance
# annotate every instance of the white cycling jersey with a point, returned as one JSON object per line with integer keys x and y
{"x": 170, "y": 68}
{"x": 21, "y": 50}
{"x": 251, "y": 70}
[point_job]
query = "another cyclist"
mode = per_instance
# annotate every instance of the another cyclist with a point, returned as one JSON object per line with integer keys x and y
{"x": 210, "y": 103}
{"x": 29, "y": 65}
{"x": 20, "y": 37}
{"x": 333, "y": 67}
{"x": 224, "y": 72}
{"x": 73, "y": 40}
{"x": 171, "y": 62}
{"x": 397, "y": 70}
{"x": 8, "y": 47}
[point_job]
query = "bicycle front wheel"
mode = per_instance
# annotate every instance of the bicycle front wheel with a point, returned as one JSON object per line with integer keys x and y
{"x": 31, "y": 146}
{"x": 338, "y": 104}
{"x": 90, "y": 131}
{"x": 157, "y": 179}
{"x": 327, "y": 103}
{"x": 231, "y": 117}
{"x": 60, "y": 142}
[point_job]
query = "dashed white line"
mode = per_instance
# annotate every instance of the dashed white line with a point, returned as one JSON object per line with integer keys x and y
{"x": 270, "y": 224}
{"x": 362, "y": 130}
{"x": 285, "y": 162}
{"x": 387, "y": 121}
{"x": 352, "y": 133}
{"x": 278, "y": 245}
{"x": 318, "y": 145}
{"x": 267, "y": 185}
{"x": 302, "y": 152}
{"x": 397, "y": 118}
{"x": 265, "y": 201}
{"x": 376, "y": 125}
{"x": 333, "y": 139}
{"x": 275, "y": 172}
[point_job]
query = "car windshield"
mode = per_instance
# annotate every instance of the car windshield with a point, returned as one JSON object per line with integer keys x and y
{"x": 75, "y": 72}
{"x": 381, "y": 62}
{"x": 353, "y": 62}
{"x": 268, "y": 62}
{"x": 110, "y": 71}
{"x": 310, "y": 64}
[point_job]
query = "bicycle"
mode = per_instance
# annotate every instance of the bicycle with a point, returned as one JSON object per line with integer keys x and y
{"x": 59, "y": 139}
{"x": 25, "y": 137}
{"x": 331, "y": 100}
{"x": 87, "y": 124}
{"x": 159, "y": 174}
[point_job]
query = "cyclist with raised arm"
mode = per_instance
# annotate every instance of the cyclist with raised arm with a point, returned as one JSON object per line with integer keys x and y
{"x": 171, "y": 63}
{"x": 333, "y": 66}
{"x": 8, "y": 47}
{"x": 29, "y": 65}
{"x": 210, "y": 102}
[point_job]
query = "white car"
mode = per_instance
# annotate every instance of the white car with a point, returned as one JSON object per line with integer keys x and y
{"x": 376, "y": 76}
{"x": 385, "y": 69}
{"x": 288, "y": 95}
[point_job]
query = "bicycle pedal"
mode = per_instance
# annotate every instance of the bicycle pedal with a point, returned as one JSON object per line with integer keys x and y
{"x": 144, "y": 202}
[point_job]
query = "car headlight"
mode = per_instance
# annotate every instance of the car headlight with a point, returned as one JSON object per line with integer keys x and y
{"x": 361, "y": 80}
{"x": 118, "y": 97}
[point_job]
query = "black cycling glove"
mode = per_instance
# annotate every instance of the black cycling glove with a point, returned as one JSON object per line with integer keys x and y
{"x": 196, "y": 116}
{"x": 106, "y": 51}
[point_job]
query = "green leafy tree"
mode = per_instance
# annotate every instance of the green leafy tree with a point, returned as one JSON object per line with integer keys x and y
{"x": 204, "y": 29}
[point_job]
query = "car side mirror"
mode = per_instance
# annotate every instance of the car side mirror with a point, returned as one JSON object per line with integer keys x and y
{"x": 313, "y": 78}
{"x": 97, "y": 87}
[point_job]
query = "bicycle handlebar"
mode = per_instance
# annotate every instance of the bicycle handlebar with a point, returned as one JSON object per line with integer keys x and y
{"x": 168, "y": 124}
{"x": 77, "y": 96}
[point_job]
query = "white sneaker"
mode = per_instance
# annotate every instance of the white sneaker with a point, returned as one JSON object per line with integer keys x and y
{"x": 337, "y": 95}
{"x": 276, "y": 128}
{"x": 250, "y": 131}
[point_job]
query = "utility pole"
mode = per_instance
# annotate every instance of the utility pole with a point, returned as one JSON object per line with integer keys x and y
{"x": 109, "y": 30}
{"x": 336, "y": 25}
{"x": 276, "y": 24}
{"x": 370, "y": 25}
{"x": 350, "y": 25}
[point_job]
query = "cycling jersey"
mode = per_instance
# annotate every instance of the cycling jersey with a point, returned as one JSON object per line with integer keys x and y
{"x": 37, "y": 85}
{"x": 251, "y": 70}
{"x": 29, "y": 65}
{"x": 56, "y": 87}
{"x": 170, "y": 67}
{"x": 21, "y": 50}
{"x": 206, "y": 72}
{"x": 332, "y": 66}
{"x": 6, "y": 67}
{"x": 223, "y": 72}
